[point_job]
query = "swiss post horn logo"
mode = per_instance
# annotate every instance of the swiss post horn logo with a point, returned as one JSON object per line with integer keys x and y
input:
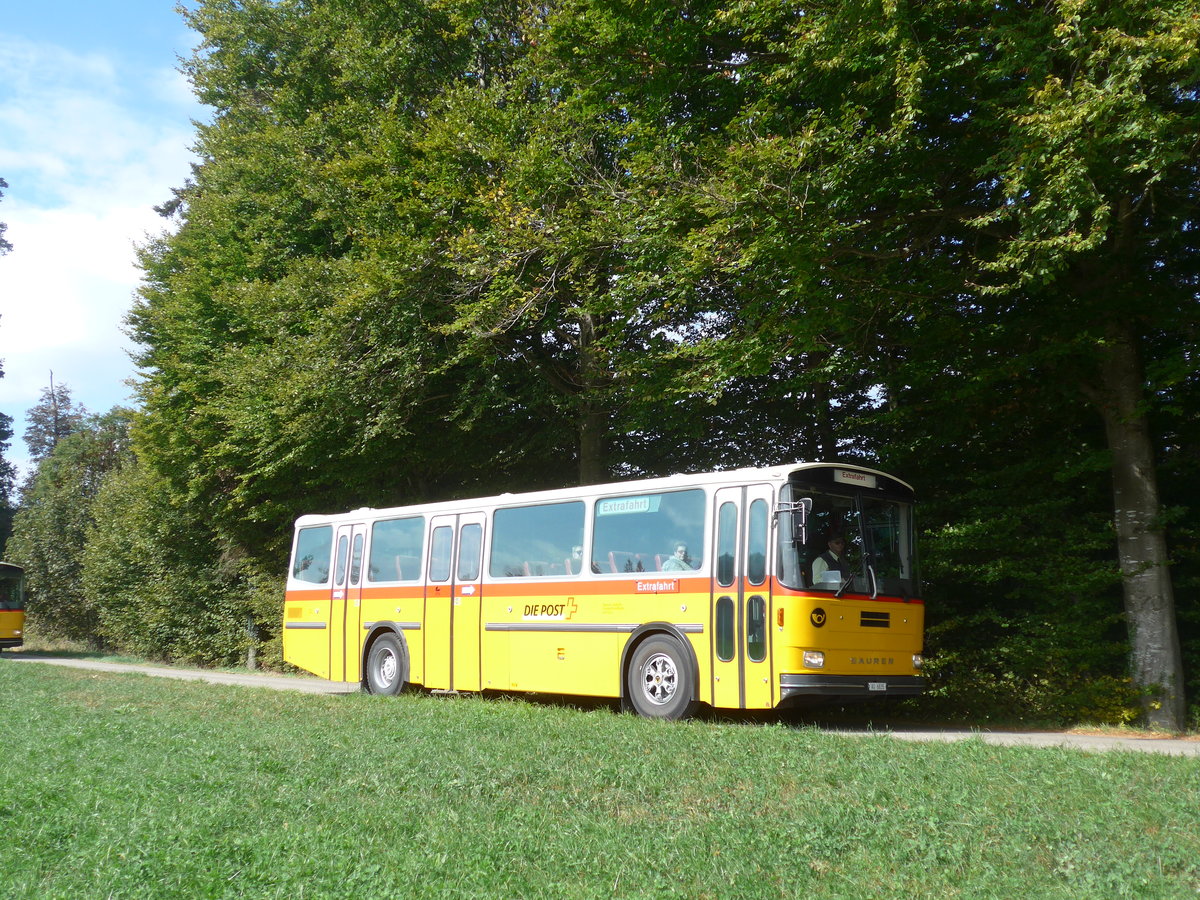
{"x": 817, "y": 617}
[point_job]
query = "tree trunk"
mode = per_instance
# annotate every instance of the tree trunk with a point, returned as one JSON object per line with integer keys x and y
{"x": 1156, "y": 664}
{"x": 593, "y": 427}
{"x": 827, "y": 449}
{"x": 252, "y": 643}
{"x": 593, "y": 416}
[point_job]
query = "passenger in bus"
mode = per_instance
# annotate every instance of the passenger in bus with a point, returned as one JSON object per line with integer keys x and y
{"x": 680, "y": 561}
{"x": 831, "y": 566}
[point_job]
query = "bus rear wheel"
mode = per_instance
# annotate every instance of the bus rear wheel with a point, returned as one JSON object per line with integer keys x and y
{"x": 659, "y": 683}
{"x": 387, "y": 665}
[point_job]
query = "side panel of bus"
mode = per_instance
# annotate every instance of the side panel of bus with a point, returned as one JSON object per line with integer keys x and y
{"x": 569, "y": 638}
{"x": 403, "y": 606}
{"x": 306, "y": 630}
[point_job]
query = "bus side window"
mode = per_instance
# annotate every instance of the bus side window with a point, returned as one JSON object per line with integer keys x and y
{"x": 727, "y": 520}
{"x": 356, "y": 560}
{"x": 537, "y": 541}
{"x": 756, "y": 628}
{"x": 756, "y": 561}
{"x": 343, "y": 556}
{"x": 642, "y": 533}
{"x": 439, "y": 553}
{"x": 396, "y": 549}
{"x": 470, "y": 540}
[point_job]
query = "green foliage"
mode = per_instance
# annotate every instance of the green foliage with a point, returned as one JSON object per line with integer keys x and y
{"x": 1062, "y": 668}
{"x": 50, "y": 530}
{"x": 159, "y": 584}
{"x": 294, "y": 324}
{"x": 112, "y": 561}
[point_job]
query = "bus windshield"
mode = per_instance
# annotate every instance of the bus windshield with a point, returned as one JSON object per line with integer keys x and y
{"x": 856, "y": 541}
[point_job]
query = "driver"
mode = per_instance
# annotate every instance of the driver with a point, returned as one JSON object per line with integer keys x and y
{"x": 831, "y": 565}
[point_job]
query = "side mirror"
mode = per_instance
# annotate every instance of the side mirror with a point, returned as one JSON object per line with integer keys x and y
{"x": 800, "y": 512}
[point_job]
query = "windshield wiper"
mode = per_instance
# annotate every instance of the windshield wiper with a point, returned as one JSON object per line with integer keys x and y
{"x": 850, "y": 580}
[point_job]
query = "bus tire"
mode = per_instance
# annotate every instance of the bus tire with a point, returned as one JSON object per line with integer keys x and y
{"x": 659, "y": 679}
{"x": 387, "y": 666}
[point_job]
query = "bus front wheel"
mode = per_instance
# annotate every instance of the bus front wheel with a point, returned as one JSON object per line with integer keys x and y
{"x": 659, "y": 682}
{"x": 386, "y": 666}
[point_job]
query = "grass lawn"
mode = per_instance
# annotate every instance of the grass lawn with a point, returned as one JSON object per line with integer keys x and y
{"x": 130, "y": 786}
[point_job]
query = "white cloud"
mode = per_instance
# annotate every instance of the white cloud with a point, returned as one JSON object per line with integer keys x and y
{"x": 88, "y": 148}
{"x": 171, "y": 86}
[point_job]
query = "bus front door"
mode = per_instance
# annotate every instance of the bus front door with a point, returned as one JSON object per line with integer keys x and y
{"x": 741, "y": 599}
{"x": 453, "y": 602}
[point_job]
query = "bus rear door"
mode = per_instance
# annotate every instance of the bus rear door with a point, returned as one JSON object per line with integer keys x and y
{"x": 345, "y": 605}
{"x": 453, "y": 602}
{"x": 741, "y": 599}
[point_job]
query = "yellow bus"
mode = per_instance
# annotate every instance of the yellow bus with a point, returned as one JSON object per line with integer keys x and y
{"x": 12, "y": 605}
{"x": 746, "y": 589}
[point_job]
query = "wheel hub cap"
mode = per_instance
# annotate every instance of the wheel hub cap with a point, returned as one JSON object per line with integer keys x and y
{"x": 387, "y": 668}
{"x": 659, "y": 679}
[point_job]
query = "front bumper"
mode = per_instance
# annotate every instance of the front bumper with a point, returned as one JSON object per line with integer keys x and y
{"x": 860, "y": 687}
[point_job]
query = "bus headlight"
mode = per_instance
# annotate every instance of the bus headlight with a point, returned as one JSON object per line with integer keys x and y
{"x": 814, "y": 659}
{"x": 918, "y": 661}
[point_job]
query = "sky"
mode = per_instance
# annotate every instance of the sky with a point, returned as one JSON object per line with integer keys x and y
{"x": 96, "y": 128}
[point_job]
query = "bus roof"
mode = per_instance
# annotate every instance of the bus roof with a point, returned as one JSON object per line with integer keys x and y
{"x": 719, "y": 478}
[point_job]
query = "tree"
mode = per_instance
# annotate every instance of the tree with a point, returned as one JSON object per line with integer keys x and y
{"x": 8, "y": 472}
{"x": 451, "y": 271}
{"x": 5, "y": 246}
{"x": 51, "y": 528}
{"x": 54, "y": 417}
{"x": 295, "y": 325}
{"x": 982, "y": 191}
{"x": 8, "y": 477}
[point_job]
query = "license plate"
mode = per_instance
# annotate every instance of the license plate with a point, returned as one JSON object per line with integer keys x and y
{"x": 876, "y": 685}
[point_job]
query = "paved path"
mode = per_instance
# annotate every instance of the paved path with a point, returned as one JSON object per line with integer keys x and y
{"x": 303, "y": 683}
{"x": 1089, "y": 742}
